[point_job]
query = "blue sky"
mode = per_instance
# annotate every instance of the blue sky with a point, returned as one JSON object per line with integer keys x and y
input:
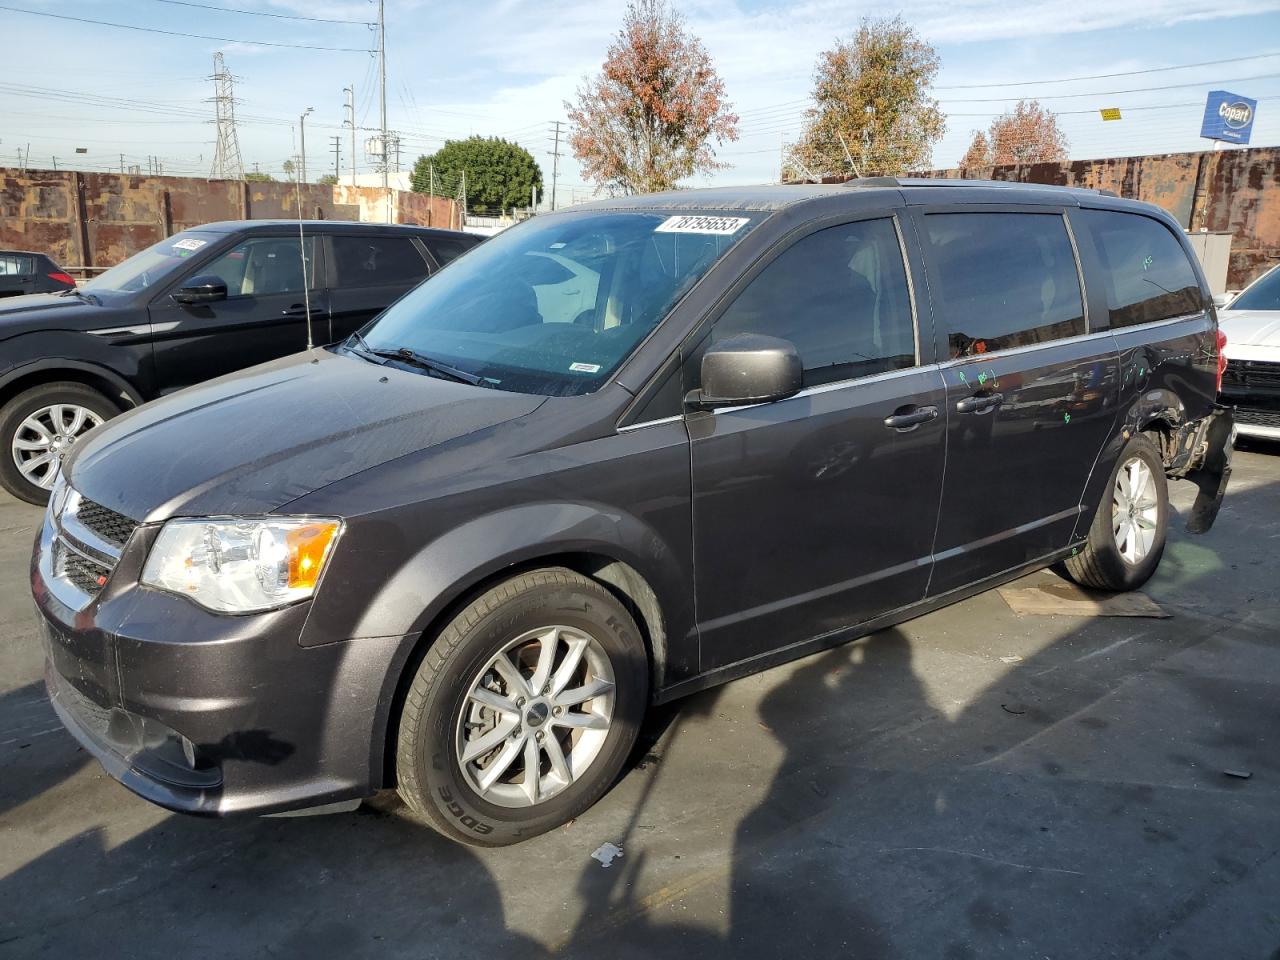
{"x": 505, "y": 67}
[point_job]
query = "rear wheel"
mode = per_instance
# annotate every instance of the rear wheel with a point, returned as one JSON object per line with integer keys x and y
{"x": 523, "y": 710}
{"x": 1127, "y": 536}
{"x": 39, "y": 427}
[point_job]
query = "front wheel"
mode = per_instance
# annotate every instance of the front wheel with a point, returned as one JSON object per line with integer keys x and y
{"x": 523, "y": 710}
{"x": 1127, "y": 537}
{"x": 39, "y": 427}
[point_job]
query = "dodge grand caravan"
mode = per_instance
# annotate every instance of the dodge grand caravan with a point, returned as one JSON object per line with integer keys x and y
{"x": 612, "y": 456}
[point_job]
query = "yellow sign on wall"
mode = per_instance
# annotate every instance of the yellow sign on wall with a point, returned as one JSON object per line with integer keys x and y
{"x": 1110, "y": 113}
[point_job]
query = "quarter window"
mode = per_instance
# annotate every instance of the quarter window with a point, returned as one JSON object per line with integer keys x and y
{"x": 1145, "y": 270}
{"x": 445, "y": 250}
{"x": 840, "y": 295}
{"x": 1003, "y": 280}
{"x": 377, "y": 261}
{"x": 262, "y": 266}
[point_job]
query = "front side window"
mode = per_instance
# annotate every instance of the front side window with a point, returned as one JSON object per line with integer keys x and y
{"x": 554, "y": 305}
{"x": 262, "y": 266}
{"x": 360, "y": 261}
{"x": 1145, "y": 270}
{"x": 153, "y": 265}
{"x": 16, "y": 265}
{"x": 840, "y": 296}
{"x": 1003, "y": 280}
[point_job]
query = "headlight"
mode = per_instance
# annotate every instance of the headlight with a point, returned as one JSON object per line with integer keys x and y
{"x": 239, "y": 565}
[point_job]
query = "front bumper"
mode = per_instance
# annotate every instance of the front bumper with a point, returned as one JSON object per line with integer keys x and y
{"x": 209, "y": 714}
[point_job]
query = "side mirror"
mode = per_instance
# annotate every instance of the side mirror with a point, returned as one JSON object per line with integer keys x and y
{"x": 206, "y": 288}
{"x": 748, "y": 368}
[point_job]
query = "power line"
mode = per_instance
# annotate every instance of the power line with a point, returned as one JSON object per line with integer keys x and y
{"x": 1113, "y": 93}
{"x": 175, "y": 33}
{"x": 1107, "y": 76}
{"x": 263, "y": 13}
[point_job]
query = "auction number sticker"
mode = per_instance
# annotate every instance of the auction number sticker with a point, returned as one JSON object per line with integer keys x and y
{"x": 720, "y": 226}
{"x": 585, "y": 367}
{"x": 189, "y": 243}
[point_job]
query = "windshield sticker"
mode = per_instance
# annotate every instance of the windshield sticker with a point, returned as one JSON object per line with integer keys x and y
{"x": 720, "y": 226}
{"x": 189, "y": 243}
{"x": 585, "y": 367}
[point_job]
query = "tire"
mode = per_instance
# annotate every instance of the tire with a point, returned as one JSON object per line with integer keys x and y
{"x": 17, "y": 435}
{"x": 519, "y": 618}
{"x": 1106, "y": 564}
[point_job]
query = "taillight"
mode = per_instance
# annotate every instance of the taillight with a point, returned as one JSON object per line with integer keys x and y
{"x": 59, "y": 277}
{"x": 1222, "y": 358}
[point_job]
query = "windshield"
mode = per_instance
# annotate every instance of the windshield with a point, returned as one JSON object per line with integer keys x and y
{"x": 554, "y": 305}
{"x": 152, "y": 265}
{"x": 1263, "y": 295}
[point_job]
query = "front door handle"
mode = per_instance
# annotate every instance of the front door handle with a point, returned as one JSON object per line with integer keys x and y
{"x": 297, "y": 310}
{"x": 910, "y": 418}
{"x": 979, "y": 403}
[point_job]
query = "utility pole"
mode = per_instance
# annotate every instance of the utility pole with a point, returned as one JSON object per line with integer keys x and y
{"x": 382, "y": 99}
{"x": 122, "y": 163}
{"x": 555, "y": 165}
{"x": 55, "y": 164}
{"x": 302, "y": 141}
{"x": 337, "y": 158}
{"x": 350, "y": 121}
{"x": 431, "y": 167}
{"x": 227, "y": 163}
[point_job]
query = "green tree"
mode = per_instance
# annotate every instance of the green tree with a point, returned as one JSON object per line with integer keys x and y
{"x": 327, "y": 179}
{"x": 499, "y": 174}
{"x": 872, "y": 112}
{"x": 257, "y": 177}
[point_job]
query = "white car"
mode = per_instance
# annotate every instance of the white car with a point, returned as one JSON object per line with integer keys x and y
{"x": 1251, "y": 383}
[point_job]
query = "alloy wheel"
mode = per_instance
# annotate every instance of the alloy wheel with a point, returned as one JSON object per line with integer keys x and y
{"x": 536, "y": 717}
{"x": 1135, "y": 510}
{"x": 45, "y": 437}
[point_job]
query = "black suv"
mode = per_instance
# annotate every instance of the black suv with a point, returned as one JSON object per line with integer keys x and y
{"x": 615, "y": 455}
{"x": 205, "y": 302}
{"x": 23, "y": 272}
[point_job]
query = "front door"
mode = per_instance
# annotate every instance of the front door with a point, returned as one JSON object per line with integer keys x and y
{"x": 1031, "y": 395}
{"x": 263, "y": 317}
{"x": 818, "y": 512}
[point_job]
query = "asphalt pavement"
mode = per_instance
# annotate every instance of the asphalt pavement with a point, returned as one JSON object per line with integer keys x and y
{"x": 970, "y": 784}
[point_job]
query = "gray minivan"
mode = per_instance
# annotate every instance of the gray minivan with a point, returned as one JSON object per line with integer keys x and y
{"x": 612, "y": 456}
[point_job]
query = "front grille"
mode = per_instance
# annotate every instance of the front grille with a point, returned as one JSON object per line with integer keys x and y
{"x": 114, "y": 528}
{"x": 87, "y": 576}
{"x": 1243, "y": 375}
{"x": 1258, "y": 418}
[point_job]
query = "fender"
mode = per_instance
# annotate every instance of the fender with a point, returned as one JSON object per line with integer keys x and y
{"x": 446, "y": 568}
{"x": 124, "y": 389}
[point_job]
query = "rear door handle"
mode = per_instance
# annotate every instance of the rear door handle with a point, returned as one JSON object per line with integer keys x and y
{"x": 911, "y": 418}
{"x": 979, "y": 403}
{"x": 297, "y": 310}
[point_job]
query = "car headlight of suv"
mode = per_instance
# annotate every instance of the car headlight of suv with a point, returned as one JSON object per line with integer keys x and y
{"x": 241, "y": 565}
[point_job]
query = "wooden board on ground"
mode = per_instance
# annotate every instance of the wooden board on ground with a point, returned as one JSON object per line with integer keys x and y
{"x": 1066, "y": 599}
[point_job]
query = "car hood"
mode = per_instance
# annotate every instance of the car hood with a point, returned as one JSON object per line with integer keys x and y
{"x": 43, "y": 310}
{"x": 253, "y": 441}
{"x": 1258, "y": 328}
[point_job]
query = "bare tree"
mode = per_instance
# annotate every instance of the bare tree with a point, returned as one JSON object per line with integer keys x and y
{"x": 1026, "y": 134}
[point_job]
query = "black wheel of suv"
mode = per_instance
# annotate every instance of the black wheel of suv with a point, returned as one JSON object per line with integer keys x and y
{"x": 1127, "y": 537}
{"x": 523, "y": 710}
{"x": 39, "y": 426}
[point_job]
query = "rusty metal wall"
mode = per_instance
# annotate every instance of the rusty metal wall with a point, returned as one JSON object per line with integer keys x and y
{"x": 99, "y": 219}
{"x": 1232, "y": 191}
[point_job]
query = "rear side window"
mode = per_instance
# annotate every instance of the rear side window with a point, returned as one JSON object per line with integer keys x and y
{"x": 376, "y": 261}
{"x": 445, "y": 250}
{"x": 15, "y": 265}
{"x": 1145, "y": 270}
{"x": 840, "y": 295}
{"x": 1003, "y": 280}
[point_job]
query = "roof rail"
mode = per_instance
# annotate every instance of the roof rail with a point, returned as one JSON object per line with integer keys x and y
{"x": 961, "y": 182}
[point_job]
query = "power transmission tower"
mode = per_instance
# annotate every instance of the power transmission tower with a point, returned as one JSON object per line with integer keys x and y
{"x": 337, "y": 157}
{"x": 227, "y": 164}
{"x": 555, "y": 165}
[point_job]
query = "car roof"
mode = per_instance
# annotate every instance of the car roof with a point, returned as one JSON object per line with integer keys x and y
{"x": 777, "y": 196}
{"x": 23, "y": 253}
{"x": 329, "y": 226}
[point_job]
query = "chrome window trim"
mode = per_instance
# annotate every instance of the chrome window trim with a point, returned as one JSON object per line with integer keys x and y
{"x": 650, "y": 423}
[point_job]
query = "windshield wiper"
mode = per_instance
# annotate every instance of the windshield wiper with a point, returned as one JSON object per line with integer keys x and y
{"x": 77, "y": 292}
{"x": 405, "y": 355}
